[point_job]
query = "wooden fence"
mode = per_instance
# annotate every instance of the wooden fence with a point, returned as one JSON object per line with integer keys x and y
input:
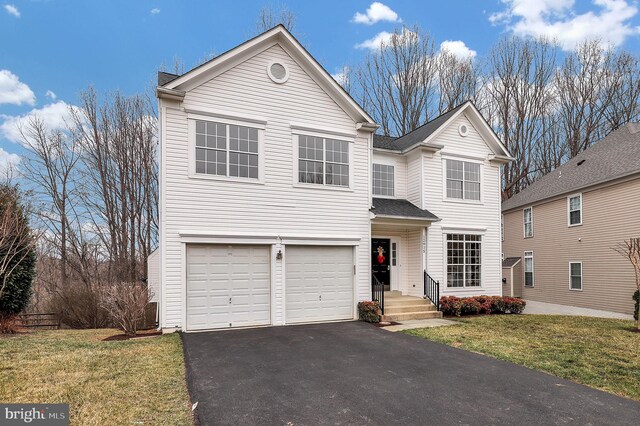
{"x": 40, "y": 321}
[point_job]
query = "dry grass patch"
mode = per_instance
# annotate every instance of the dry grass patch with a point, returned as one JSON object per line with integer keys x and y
{"x": 139, "y": 381}
{"x": 602, "y": 353}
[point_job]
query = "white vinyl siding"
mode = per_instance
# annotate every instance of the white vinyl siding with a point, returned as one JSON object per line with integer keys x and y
{"x": 528, "y": 269}
{"x": 574, "y": 206}
{"x": 268, "y": 207}
{"x": 323, "y": 161}
{"x": 226, "y": 150}
{"x": 527, "y": 219}
{"x": 575, "y": 275}
{"x": 464, "y": 260}
{"x": 463, "y": 180}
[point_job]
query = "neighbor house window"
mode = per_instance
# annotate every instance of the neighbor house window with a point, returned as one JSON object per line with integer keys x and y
{"x": 463, "y": 180}
{"x": 528, "y": 222}
{"x": 383, "y": 180}
{"x": 528, "y": 268}
{"x": 323, "y": 161}
{"x": 463, "y": 260}
{"x": 575, "y": 275}
{"x": 501, "y": 227}
{"x": 226, "y": 150}
{"x": 575, "y": 209}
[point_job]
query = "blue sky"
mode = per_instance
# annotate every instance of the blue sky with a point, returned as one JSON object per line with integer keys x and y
{"x": 52, "y": 49}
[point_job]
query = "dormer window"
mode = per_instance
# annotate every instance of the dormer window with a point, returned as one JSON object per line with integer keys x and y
{"x": 383, "y": 180}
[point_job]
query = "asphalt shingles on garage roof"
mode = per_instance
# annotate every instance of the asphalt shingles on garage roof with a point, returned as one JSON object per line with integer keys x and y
{"x": 400, "y": 208}
{"x": 614, "y": 157}
{"x": 415, "y": 137}
{"x": 510, "y": 261}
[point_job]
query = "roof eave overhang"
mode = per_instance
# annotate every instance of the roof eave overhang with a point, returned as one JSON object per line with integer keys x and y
{"x": 501, "y": 159}
{"x": 170, "y": 94}
{"x": 385, "y": 218}
{"x": 424, "y": 146}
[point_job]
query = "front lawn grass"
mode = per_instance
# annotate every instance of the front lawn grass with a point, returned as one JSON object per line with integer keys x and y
{"x": 139, "y": 381}
{"x": 597, "y": 352}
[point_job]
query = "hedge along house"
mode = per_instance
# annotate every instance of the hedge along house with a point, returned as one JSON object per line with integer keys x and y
{"x": 279, "y": 205}
{"x": 565, "y": 227}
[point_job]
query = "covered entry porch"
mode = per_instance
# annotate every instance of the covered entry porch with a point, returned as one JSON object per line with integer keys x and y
{"x": 399, "y": 278}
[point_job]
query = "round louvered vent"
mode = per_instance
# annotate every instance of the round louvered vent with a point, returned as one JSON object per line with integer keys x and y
{"x": 277, "y": 72}
{"x": 463, "y": 130}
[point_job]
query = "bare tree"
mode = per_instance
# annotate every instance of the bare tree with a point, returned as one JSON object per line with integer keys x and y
{"x": 457, "y": 80}
{"x": 272, "y": 15}
{"x": 630, "y": 249}
{"x": 397, "y": 83}
{"x": 126, "y": 303}
{"x": 517, "y": 99}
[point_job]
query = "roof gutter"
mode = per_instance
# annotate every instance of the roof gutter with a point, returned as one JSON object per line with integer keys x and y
{"x": 170, "y": 94}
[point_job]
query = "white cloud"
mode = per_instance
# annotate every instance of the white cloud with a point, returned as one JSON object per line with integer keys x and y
{"x": 458, "y": 48}
{"x": 342, "y": 75}
{"x": 376, "y": 42}
{"x": 51, "y": 95}
{"x": 155, "y": 11}
{"x": 384, "y": 38}
{"x": 12, "y": 10}
{"x": 13, "y": 91}
{"x": 375, "y": 13}
{"x": 610, "y": 22}
{"x": 7, "y": 160}
{"x": 54, "y": 116}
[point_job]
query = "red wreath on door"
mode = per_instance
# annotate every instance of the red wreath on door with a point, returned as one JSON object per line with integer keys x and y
{"x": 381, "y": 257}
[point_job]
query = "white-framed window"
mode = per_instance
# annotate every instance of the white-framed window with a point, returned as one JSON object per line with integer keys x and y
{"x": 226, "y": 150}
{"x": 528, "y": 269}
{"x": 574, "y": 209}
{"x": 323, "y": 161}
{"x": 464, "y": 260}
{"x": 575, "y": 275}
{"x": 527, "y": 219}
{"x": 383, "y": 180}
{"x": 394, "y": 254}
{"x": 463, "y": 180}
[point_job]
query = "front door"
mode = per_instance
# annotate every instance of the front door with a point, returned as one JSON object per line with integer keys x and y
{"x": 380, "y": 260}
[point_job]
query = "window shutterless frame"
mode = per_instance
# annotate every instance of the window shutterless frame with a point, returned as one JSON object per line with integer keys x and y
{"x": 574, "y": 210}
{"x": 383, "y": 176}
{"x": 575, "y": 275}
{"x": 528, "y": 268}
{"x": 235, "y": 151}
{"x": 462, "y": 180}
{"x": 327, "y": 156}
{"x": 527, "y": 222}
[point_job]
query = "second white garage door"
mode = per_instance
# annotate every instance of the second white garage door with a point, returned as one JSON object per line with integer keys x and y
{"x": 318, "y": 283}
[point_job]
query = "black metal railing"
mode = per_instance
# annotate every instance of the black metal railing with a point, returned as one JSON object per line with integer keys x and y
{"x": 377, "y": 291}
{"x": 432, "y": 290}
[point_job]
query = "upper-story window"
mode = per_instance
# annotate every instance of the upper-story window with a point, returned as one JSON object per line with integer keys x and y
{"x": 383, "y": 180}
{"x": 323, "y": 161}
{"x": 574, "y": 204}
{"x": 226, "y": 150}
{"x": 528, "y": 222}
{"x": 463, "y": 180}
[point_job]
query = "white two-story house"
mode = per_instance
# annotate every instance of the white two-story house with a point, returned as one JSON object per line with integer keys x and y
{"x": 279, "y": 205}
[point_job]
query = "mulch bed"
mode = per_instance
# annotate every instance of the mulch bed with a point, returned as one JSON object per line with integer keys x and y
{"x": 141, "y": 334}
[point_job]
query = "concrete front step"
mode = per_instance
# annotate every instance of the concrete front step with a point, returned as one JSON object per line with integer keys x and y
{"x": 406, "y": 301}
{"x": 411, "y": 316}
{"x": 398, "y": 309}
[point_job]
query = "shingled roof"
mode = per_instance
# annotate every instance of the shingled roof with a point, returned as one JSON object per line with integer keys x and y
{"x": 416, "y": 136}
{"x": 392, "y": 207}
{"x": 616, "y": 156}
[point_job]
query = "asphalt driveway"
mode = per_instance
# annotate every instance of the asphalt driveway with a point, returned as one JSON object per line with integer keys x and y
{"x": 354, "y": 373}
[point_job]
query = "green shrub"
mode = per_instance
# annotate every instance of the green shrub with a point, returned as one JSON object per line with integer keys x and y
{"x": 636, "y": 297}
{"x": 456, "y": 306}
{"x": 369, "y": 312}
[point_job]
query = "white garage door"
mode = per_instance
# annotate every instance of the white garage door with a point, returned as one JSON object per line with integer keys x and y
{"x": 227, "y": 286}
{"x": 319, "y": 283}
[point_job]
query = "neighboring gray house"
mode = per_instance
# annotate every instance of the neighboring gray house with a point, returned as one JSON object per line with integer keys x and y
{"x": 565, "y": 226}
{"x": 278, "y": 205}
